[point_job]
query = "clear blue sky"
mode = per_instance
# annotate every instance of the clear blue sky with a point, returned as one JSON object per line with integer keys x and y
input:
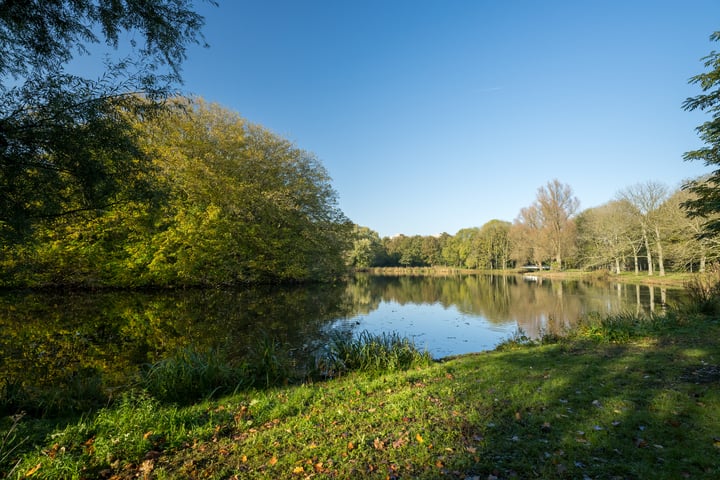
{"x": 432, "y": 116}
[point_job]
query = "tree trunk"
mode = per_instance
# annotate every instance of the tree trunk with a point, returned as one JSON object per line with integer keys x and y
{"x": 649, "y": 253}
{"x": 661, "y": 263}
{"x": 637, "y": 267}
{"x": 617, "y": 265}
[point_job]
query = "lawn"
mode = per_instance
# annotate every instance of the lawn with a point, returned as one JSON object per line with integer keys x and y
{"x": 623, "y": 399}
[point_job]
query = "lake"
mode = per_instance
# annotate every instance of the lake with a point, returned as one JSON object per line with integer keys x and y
{"x": 56, "y": 342}
{"x": 469, "y": 313}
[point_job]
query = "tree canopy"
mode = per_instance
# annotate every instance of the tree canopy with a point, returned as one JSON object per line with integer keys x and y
{"x": 237, "y": 204}
{"x": 706, "y": 203}
{"x": 66, "y": 141}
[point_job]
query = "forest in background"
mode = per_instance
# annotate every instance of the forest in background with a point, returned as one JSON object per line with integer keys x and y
{"x": 117, "y": 181}
{"x": 645, "y": 228}
{"x": 221, "y": 201}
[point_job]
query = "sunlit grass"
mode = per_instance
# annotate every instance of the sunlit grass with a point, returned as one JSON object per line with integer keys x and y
{"x": 624, "y": 398}
{"x": 619, "y": 397}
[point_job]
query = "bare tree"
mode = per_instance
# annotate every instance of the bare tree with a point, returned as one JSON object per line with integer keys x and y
{"x": 558, "y": 206}
{"x": 691, "y": 245}
{"x": 645, "y": 200}
{"x": 606, "y": 235}
{"x": 545, "y": 230}
{"x": 528, "y": 237}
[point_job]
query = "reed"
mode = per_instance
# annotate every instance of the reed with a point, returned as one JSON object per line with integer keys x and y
{"x": 373, "y": 353}
{"x": 191, "y": 374}
{"x": 704, "y": 293}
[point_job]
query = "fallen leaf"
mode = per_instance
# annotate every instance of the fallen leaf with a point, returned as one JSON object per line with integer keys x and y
{"x": 146, "y": 468}
{"x": 419, "y": 438}
{"x": 350, "y": 446}
{"x": 471, "y": 449}
{"x": 53, "y": 451}
{"x": 33, "y": 470}
{"x": 273, "y": 461}
{"x": 298, "y": 470}
{"x": 378, "y": 444}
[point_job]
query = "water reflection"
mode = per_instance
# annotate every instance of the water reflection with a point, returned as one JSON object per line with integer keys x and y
{"x": 59, "y": 348}
{"x": 459, "y": 314}
{"x": 96, "y": 342}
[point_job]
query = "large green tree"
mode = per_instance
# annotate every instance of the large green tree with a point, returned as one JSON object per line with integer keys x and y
{"x": 245, "y": 204}
{"x": 239, "y": 205}
{"x": 706, "y": 201}
{"x": 66, "y": 140}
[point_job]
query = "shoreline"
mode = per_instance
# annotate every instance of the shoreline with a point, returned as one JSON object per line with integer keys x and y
{"x": 674, "y": 279}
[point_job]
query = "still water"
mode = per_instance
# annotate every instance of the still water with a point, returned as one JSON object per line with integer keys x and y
{"x": 462, "y": 314}
{"x": 60, "y": 340}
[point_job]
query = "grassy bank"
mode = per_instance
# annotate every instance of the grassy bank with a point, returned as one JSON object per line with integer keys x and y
{"x": 671, "y": 279}
{"x": 621, "y": 397}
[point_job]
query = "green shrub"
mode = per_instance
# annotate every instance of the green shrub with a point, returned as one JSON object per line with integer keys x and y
{"x": 517, "y": 340}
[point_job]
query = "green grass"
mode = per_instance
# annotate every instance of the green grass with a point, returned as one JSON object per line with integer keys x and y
{"x": 620, "y": 398}
{"x": 386, "y": 352}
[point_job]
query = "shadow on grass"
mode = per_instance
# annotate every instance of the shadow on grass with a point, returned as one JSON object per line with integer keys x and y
{"x": 646, "y": 408}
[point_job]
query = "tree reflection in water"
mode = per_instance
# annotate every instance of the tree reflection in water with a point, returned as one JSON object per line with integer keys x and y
{"x": 474, "y": 312}
{"x": 88, "y": 346}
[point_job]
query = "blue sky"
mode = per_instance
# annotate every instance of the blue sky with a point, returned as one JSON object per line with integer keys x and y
{"x": 432, "y": 116}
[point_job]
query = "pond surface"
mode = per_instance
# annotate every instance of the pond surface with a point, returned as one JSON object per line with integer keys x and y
{"x": 60, "y": 341}
{"x": 471, "y": 313}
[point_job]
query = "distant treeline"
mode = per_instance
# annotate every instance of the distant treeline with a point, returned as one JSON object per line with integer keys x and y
{"x": 643, "y": 229}
{"x": 220, "y": 201}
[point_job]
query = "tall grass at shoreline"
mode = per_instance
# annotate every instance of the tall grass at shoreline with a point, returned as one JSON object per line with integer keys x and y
{"x": 613, "y": 397}
{"x": 620, "y": 397}
{"x": 387, "y": 352}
